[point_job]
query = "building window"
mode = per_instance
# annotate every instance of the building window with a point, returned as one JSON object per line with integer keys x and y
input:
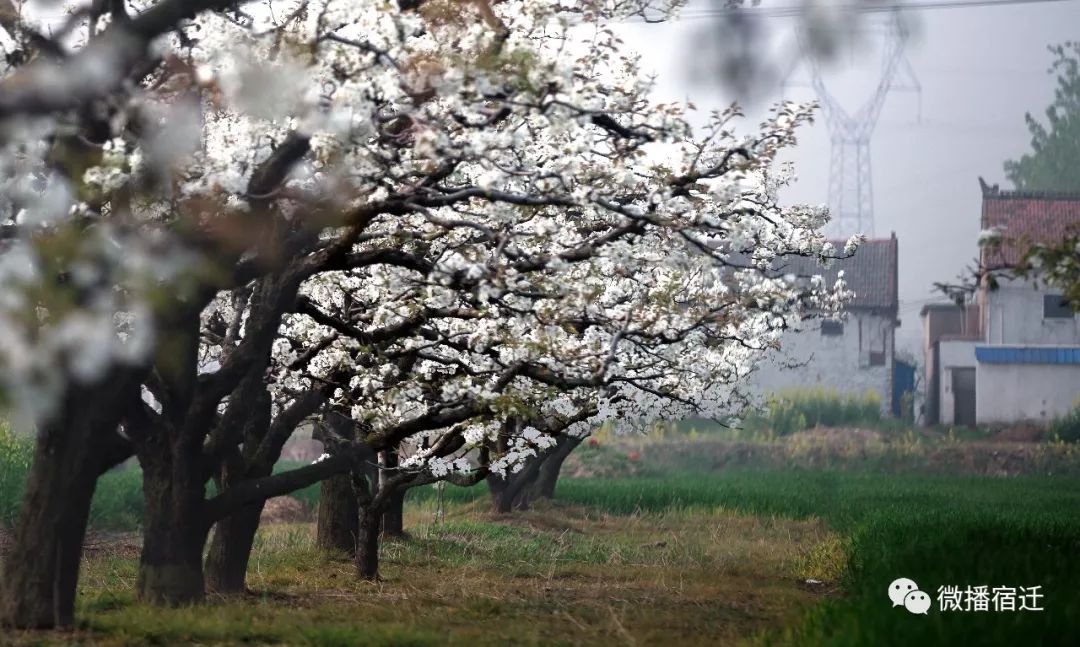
{"x": 832, "y": 327}
{"x": 1056, "y": 307}
{"x": 877, "y": 358}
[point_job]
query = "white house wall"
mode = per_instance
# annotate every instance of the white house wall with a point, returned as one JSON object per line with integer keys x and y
{"x": 954, "y": 354}
{"x": 1015, "y": 317}
{"x": 810, "y": 359}
{"x": 1010, "y": 393}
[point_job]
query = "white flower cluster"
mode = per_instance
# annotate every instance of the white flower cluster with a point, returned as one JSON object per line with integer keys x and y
{"x": 493, "y": 222}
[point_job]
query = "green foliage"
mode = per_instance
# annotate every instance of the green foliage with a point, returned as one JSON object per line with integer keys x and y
{"x": 794, "y": 410}
{"x": 15, "y": 456}
{"x": 1067, "y": 427}
{"x": 1053, "y": 165}
{"x": 1054, "y": 161}
{"x": 1057, "y": 263}
{"x": 118, "y": 500}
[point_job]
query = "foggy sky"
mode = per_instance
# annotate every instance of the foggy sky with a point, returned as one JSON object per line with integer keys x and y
{"x": 980, "y": 69}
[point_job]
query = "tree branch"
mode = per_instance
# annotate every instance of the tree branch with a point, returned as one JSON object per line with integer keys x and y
{"x": 279, "y": 484}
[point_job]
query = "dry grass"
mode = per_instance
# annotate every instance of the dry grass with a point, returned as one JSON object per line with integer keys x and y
{"x": 555, "y": 575}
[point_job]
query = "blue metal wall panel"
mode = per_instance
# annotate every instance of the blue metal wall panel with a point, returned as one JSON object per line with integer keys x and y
{"x": 903, "y": 382}
{"x": 1026, "y": 355}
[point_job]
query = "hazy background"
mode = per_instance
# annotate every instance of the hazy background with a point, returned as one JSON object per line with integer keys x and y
{"x": 981, "y": 69}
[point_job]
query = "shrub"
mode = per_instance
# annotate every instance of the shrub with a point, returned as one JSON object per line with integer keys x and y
{"x": 118, "y": 500}
{"x": 117, "y": 503}
{"x": 787, "y": 412}
{"x": 1067, "y": 427}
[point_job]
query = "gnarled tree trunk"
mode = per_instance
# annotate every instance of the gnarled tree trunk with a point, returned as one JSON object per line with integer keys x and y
{"x": 338, "y": 526}
{"x": 230, "y": 550}
{"x": 40, "y": 576}
{"x": 393, "y": 516}
{"x": 512, "y": 492}
{"x": 551, "y": 466}
{"x": 393, "y": 519}
{"x": 339, "y": 516}
{"x": 367, "y": 545}
{"x": 509, "y": 491}
{"x": 174, "y": 530}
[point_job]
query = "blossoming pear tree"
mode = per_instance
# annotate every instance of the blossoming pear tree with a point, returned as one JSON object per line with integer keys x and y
{"x": 465, "y": 224}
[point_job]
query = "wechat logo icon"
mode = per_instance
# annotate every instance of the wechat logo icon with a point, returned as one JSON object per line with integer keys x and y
{"x": 905, "y": 593}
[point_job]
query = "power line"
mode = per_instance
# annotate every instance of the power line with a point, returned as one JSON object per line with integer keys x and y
{"x": 851, "y": 199}
{"x": 800, "y": 10}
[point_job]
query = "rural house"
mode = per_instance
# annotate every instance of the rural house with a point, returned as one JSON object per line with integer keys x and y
{"x": 855, "y": 354}
{"x": 1018, "y": 358}
{"x": 952, "y": 329}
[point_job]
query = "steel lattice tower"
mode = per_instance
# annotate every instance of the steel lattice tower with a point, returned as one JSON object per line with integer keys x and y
{"x": 851, "y": 193}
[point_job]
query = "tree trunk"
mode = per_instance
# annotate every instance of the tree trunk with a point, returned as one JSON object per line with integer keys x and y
{"x": 230, "y": 550}
{"x": 174, "y": 531}
{"x": 511, "y": 492}
{"x": 497, "y": 486}
{"x": 523, "y": 499}
{"x": 40, "y": 576}
{"x": 367, "y": 546}
{"x": 544, "y": 488}
{"x": 393, "y": 517}
{"x": 339, "y": 515}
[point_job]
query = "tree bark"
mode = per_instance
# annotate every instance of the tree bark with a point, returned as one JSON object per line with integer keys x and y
{"x": 507, "y": 490}
{"x": 40, "y": 576}
{"x": 497, "y": 489}
{"x": 366, "y": 488}
{"x": 544, "y": 488}
{"x": 230, "y": 550}
{"x": 174, "y": 531}
{"x": 393, "y": 517}
{"x": 338, "y": 526}
{"x": 511, "y": 492}
{"x": 367, "y": 546}
{"x": 339, "y": 516}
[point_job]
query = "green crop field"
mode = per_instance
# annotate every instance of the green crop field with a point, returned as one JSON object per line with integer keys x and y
{"x": 936, "y": 530}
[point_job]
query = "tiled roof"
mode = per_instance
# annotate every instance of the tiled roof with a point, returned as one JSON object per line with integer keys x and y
{"x": 1025, "y": 218}
{"x": 871, "y": 273}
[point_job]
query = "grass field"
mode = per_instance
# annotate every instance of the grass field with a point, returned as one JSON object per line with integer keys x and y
{"x": 716, "y": 557}
{"x": 936, "y": 530}
{"x": 561, "y": 574}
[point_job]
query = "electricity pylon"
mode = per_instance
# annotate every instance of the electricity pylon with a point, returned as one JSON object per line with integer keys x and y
{"x": 851, "y": 193}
